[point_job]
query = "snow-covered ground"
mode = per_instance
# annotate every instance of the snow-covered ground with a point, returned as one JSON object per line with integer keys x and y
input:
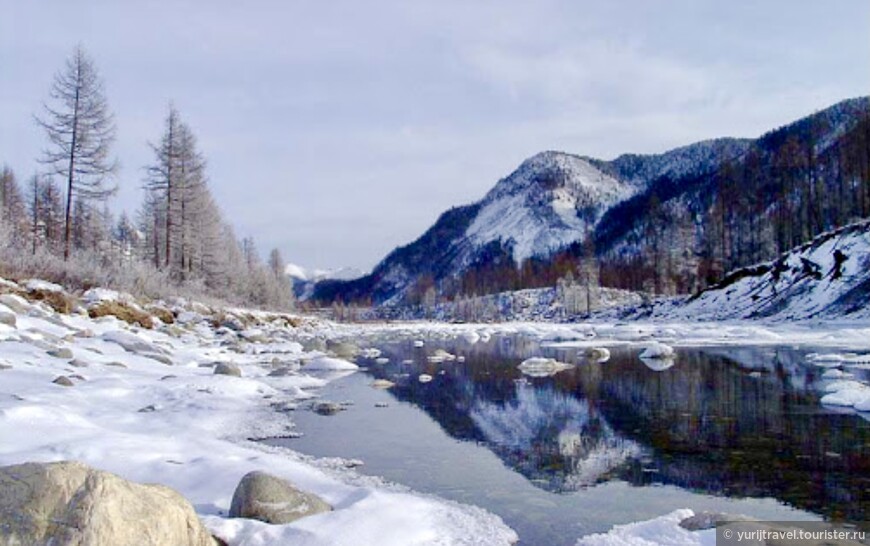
{"x": 146, "y": 404}
{"x": 156, "y": 412}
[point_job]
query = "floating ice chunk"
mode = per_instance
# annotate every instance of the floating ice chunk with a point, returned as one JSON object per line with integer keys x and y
{"x": 657, "y": 350}
{"x": 329, "y": 363}
{"x": 471, "y": 337}
{"x": 542, "y": 367}
{"x": 381, "y": 360}
{"x": 657, "y": 364}
{"x": 836, "y": 374}
{"x": 418, "y": 343}
{"x": 370, "y": 353}
{"x": 847, "y": 393}
{"x": 424, "y": 378}
{"x": 597, "y": 354}
{"x": 440, "y": 355}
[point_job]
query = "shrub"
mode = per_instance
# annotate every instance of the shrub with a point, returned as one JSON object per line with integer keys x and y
{"x": 123, "y": 311}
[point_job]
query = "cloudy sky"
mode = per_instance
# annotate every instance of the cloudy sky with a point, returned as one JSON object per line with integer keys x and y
{"x": 338, "y": 129}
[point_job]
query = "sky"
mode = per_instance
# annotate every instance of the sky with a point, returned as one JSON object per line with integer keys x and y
{"x": 336, "y": 130}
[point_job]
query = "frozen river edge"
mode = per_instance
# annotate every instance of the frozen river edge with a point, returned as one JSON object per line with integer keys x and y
{"x": 146, "y": 404}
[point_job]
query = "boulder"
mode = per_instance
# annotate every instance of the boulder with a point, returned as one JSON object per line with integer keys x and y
{"x": 131, "y": 342}
{"x": 267, "y": 498}
{"x": 8, "y": 319}
{"x": 342, "y": 349}
{"x": 62, "y": 352}
{"x": 16, "y": 303}
{"x": 326, "y": 408}
{"x": 63, "y": 381}
{"x": 69, "y": 504}
{"x": 227, "y": 368}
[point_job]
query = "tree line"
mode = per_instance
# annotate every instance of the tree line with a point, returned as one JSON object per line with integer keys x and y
{"x": 58, "y": 223}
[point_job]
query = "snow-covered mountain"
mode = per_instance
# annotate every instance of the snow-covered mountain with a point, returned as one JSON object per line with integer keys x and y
{"x": 304, "y": 279}
{"x": 828, "y": 277}
{"x": 635, "y": 209}
{"x": 550, "y": 201}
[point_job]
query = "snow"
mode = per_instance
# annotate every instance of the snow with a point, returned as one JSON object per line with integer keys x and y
{"x": 657, "y": 350}
{"x": 542, "y": 367}
{"x": 186, "y": 428}
{"x": 661, "y": 531}
{"x": 32, "y": 285}
{"x": 537, "y": 219}
{"x": 802, "y": 284}
{"x": 327, "y": 363}
{"x": 182, "y": 426}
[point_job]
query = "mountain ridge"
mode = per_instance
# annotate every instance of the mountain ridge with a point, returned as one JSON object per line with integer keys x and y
{"x": 543, "y": 211}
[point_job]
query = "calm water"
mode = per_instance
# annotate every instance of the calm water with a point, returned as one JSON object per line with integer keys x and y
{"x": 733, "y": 430}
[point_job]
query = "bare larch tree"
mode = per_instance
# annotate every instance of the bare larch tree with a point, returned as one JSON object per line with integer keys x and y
{"x": 80, "y": 130}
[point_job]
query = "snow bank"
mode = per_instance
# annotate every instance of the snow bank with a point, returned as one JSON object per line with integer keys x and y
{"x": 186, "y": 428}
{"x": 662, "y": 531}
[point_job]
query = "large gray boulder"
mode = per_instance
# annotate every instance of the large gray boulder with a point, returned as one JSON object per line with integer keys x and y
{"x": 270, "y": 499}
{"x": 70, "y": 504}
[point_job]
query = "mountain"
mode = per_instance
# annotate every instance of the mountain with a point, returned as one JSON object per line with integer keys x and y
{"x": 667, "y": 223}
{"x": 551, "y": 200}
{"x": 305, "y": 279}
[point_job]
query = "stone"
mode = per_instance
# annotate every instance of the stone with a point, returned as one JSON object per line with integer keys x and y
{"x": 327, "y": 408}
{"x": 78, "y": 363}
{"x": 16, "y": 303}
{"x": 342, "y": 349}
{"x": 8, "y": 319}
{"x": 62, "y": 352}
{"x": 270, "y": 499}
{"x": 63, "y": 381}
{"x": 161, "y": 358}
{"x": 283, "y": 372}
{"x": 227, "y": 368}
{"x": 131, "y": 342}
{"x": 70, "y": 504}
{"x": 116, "y": 364}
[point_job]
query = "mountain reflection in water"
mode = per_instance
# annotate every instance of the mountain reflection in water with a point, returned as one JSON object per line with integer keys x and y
{"x": 741, "y": 422}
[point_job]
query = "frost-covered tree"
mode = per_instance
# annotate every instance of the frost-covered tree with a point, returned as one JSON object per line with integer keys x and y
{"x": 80, "y": 131}
{"x": 46, "y": 213}
{"x": 13, "y": 213}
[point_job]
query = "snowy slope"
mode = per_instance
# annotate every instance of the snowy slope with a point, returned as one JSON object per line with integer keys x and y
{"x": 552, "y": 200}
{"x": 825, "y": 278}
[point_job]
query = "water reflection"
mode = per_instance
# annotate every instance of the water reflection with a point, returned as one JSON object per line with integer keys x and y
{"x": 739, "y": 422}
